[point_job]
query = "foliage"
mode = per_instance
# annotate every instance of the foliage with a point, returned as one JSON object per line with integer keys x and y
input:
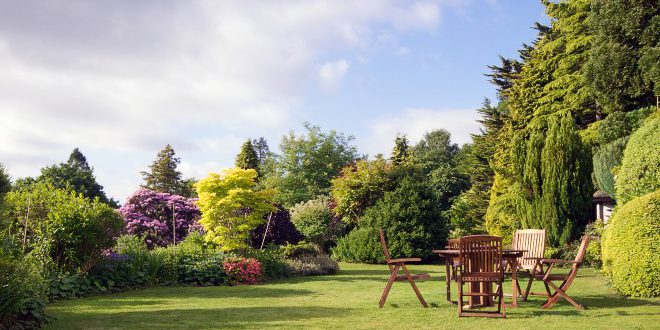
{"x": 293, "y": 251}
{"x": 500, "y": 219}
{"x": 163, "y": 175}
{"x": 280, "y": 230}
{"x": 360, "y": 245}
{"x": 606, "y": 160}
{"x": 307, "y": 164}
{"x": 192, "y": 262}
{"x": 262, "y": 150}
{"x": 615, "y": 126}
{"x": 622, "y": 69}
{"x": 315, "y": 220}
{"x": 593, "y": 256}
{"x": 631, "y": 254}
{"x": 243, "y": 270}
{"x": 360, "y": 186}
{"x": 67, "y": 227}
{"x": 553, "y": 187}
{"x": 640, "y": 167}
{"x": 152, "y": 215}
{"x": 272, "y": 261}
{"x": 75, "y": 175}
{"x": 411, "y": 218}
{"x": 313, "y": 264}
{"x": 247, "y": 158}
{"x": 401, "y": 150}
{"x": 5, "y": 183}
{"x": 468, "y": 210}
{"x": 23, "y": 289}
{"x": 232, "y": 206}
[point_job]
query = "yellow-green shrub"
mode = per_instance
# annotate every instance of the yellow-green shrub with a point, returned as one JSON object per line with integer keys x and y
{"x": 631, "y": 247}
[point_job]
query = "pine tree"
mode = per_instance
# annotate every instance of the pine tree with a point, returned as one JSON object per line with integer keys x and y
{"x": 163, "y": 175}
{"x": 247, "y": 158}
{"x": 401, "y": 150}
{"x": 260, "y": 146}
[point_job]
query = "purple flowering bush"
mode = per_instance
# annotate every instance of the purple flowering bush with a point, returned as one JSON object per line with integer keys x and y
{"x": 149, "y": 214}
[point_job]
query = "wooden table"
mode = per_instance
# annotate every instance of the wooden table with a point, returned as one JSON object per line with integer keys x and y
{"x": 510, "y": 255}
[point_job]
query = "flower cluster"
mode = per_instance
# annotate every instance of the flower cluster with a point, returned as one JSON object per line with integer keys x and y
{"x": 158, "y": 217}
{"x": 243, "y": 270}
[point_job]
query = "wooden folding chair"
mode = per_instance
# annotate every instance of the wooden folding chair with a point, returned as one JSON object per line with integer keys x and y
{"x": 450, "y": 267}
{"x": 394, "y": 265}
{"x": 532, "y": 241}
{"x": 546, "y": 275}
{"x": 480, "y": 261}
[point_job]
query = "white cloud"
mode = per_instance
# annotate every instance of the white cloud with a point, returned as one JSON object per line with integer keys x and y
{"x": 123, "y": 78}
{"x": 415, "y": 122}
{"x": 331, "y": 74}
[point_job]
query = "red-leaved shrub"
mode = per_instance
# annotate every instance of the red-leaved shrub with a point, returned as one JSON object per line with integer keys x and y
{"x": 243, "y": 270}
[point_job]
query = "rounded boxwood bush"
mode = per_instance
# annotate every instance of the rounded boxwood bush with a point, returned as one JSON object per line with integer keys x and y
{"x": 360, "y": 245}
{"x": 631, "y": 253}
{"x": 640, "y": 167}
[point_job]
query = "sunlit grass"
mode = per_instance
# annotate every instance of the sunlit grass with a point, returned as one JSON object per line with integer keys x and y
{"x": 347, "y": 300}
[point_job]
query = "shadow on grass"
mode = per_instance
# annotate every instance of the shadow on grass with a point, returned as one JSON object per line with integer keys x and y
{"x": 230, "y": 317}
{"x": 605, "y": 305}
{"x": 358, "y": 276}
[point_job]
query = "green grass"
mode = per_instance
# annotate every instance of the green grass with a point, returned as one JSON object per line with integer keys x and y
{"x": 347, "y": 300}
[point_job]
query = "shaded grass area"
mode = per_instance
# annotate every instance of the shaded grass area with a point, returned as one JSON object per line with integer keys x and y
{"x": 347, "y": 300}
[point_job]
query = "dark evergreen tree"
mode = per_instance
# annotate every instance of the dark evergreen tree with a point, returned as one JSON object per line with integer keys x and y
{"x": 5, "y": 183}
{"x": 401, "y": 150}
{"x": 77, "y": 175}
{"x": 247, "y": 158}
{"x": 163, "y": 175}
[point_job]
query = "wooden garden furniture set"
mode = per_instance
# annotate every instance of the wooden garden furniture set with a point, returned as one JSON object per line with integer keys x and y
{"x": 480, "y": 261}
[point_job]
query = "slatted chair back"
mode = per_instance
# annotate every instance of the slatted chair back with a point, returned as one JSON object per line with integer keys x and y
{"x": 480, "y": 255}
{"x": 533, "y": 242}
{"x": 454, "y": 244}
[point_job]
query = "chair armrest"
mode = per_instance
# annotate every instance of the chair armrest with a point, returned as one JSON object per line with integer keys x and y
{"x": 395, "y": 261}
{"x": 558, "y": 261}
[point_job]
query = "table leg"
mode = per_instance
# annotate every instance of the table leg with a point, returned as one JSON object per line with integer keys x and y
{"x": 514, "y": 280}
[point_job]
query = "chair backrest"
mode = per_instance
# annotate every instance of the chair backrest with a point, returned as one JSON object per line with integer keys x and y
{"x": 480, "y": 254}
{"x": 582, "y": 251}
{"x": 383, "y": 243}
{"x": 533, "y": 242}
{"x": 454, "y": 244}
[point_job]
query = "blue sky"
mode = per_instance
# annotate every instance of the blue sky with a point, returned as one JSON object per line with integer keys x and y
{"x": 121, "y": 79}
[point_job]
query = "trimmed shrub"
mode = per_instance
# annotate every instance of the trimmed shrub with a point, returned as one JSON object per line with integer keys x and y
{"x": 640, "y": 168}
{"x": 292, "y": 251}
{"x": 192, "y": 262}
{"x": 360, "y": 245}
{"x": 152, "y": 215}
{"x": 631, "y": 253}
{"x": 315, "y": 220}
{"x": 243, "y": 270}
{"x": 606, "y": 161}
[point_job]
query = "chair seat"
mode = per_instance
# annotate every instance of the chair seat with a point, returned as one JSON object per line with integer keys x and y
{"x": 402, "y": 260}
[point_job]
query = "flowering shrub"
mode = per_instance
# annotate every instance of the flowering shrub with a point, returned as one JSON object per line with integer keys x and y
{"x": 243, "y": 270}
{"x": 149, "y": 214}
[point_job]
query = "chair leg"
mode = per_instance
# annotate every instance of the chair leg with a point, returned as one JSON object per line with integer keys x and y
{"x": 414, "y": 286}
{"x": 388, "y": 286}
{"x": 558, "y": 294}
{"x": 459, "y": 290}
{"x": 448, "y": 280}
{"x": 529, "y": 287}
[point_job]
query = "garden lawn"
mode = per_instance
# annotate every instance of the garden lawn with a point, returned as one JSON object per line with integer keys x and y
{"x": 347, "y": 300}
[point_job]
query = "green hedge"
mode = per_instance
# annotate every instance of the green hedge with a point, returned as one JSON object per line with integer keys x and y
{"x": 640, "y": 167}
{"x": 631, "y": 253}
{"x": 360, "y": 245}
